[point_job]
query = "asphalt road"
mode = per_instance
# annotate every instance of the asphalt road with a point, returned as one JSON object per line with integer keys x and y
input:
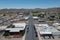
{"x": 30, "y": 33}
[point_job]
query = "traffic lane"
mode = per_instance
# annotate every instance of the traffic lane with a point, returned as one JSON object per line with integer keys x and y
{"x": 30, "y": 34}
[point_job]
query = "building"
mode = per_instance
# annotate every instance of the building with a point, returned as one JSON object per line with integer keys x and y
{"x": 49, "y": 15}
{"x": 17, "y": 31}
{"x": 26, "y": 17}
{"x": 57, "y": 26}
{"x": 35, "y": 17}
{"x": 3, "y": 28}
{"x": 20, "y": 15}
{"x": 20, "y": 25}
{"x": 42, "y": 15}
{"x": 46, "y": 30}
{"x": 53, "y": 15}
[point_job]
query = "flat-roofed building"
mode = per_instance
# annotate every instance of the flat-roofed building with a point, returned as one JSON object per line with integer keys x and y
{"x": 19, "y": 25}
{"x": 46, "y": 30}
{"x": 57, "y": 26}
{"x": 17, "y": 31}
{"x": 3, "y": 27}
{"x": 26, "y": 17}
{"x": 35, "y": 17}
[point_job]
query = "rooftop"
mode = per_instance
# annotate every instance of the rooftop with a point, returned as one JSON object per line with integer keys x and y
{"x": 56, "y": 24}
{"x": 26, "y": 17}
{"x": 45, "y": 25}
{"x": 3, "y": 27}
{"x": 35, "y": 17}
{"x": 14, "y": 29}
{"x": 45, "y": 28}
{"x": 19, "y": 25}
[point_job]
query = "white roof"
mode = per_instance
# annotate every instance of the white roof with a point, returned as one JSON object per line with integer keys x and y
{"x": 35, "y": 17}
{"x": 26, "y": 17}
{"x": 3, "y": 27}
{"x": 19, "y": 25}
{"x": 46, "y": 29}
{"x": 14, "y": 29}
{"x": 45, "y": 32}
{"x": 46, "y": 25}
{"x": 56, "y": 24}
{"x": 58, "y": 27}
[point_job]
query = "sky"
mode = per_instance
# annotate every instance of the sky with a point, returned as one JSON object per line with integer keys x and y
{"x": 29, "y": 3}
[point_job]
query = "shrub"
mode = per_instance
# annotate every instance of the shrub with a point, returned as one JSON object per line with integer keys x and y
{"x": 6, "y": 34}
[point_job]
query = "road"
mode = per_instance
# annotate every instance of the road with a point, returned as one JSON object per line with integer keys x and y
{"x": 30, "y": 33}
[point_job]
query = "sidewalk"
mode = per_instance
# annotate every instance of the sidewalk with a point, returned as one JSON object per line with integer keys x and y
{"x": 38, "y": 33}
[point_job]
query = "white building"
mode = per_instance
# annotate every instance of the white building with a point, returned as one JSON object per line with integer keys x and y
{"x": 46, "y": 30}
{"x": 19, "y": 25}
{"x": 18, "y": 30}
{"x": 35, "y": 17}
{"x": 56, "y": 25}
{"x": 3, "y": 27}
{"x": 26, "y": 17}
{"x": 14, "y": 29}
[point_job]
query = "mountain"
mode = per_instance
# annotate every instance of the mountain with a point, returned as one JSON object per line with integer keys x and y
{"x": 56, "y": 9}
